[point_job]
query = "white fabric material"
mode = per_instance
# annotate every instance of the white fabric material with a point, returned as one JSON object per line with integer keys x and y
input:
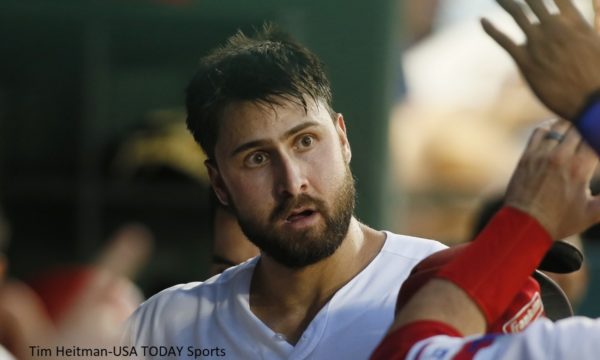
{"x": 5, "y": 355}
{"x": 216, "y": 313}
{"x": 571, "y": 338}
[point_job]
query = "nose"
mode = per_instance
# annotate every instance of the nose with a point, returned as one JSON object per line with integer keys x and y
{"x": 291, "y": 176}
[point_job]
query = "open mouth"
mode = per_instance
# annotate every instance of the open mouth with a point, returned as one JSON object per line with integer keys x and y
{"x": 295, "y": 216}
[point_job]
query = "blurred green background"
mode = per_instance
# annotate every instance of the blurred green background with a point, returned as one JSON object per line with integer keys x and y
{"x": 78, "y": 76}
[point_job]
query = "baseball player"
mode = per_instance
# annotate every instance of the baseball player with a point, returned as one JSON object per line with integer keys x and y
{"x": 324, "y": 285}
{"x": 438, "y": 321}
{"x": 559, "y": 61}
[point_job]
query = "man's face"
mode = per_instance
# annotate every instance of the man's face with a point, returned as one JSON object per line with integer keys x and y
{"x": 286, "y": 175}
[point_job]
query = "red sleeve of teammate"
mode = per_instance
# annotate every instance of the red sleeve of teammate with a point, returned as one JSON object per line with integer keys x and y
{"x": 398, "y": 343}
{"x": 496, "y": 265}
{"x": 488, "y": 271}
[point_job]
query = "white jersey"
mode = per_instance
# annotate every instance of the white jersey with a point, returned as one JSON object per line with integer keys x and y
{"x": 5, "y": 355}
{"x": 214, "y": 319}
{"x": 571, "y": 338}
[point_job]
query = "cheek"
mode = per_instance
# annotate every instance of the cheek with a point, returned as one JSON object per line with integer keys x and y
{"x": 250, "y": 191}
{"x": 330, "y": 165}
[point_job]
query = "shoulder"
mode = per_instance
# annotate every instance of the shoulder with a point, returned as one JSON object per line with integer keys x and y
{"x": 396, "y": 259}
{"x": 410, "y": 247}
{"x": 197, "y": 292}
{"x": 170, "y": 309}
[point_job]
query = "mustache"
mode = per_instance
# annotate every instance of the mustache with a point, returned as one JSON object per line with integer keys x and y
{"x": 288, "y": 205}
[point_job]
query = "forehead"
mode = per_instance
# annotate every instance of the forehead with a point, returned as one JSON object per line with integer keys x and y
{"x": 246, "y": 121}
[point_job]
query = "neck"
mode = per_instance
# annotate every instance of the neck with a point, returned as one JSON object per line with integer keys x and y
{"x": 287, "y": 299}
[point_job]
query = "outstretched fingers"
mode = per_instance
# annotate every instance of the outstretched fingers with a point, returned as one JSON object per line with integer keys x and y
{"x": 569, "y": 10}
{"x": 596, "y": 15}
{"x": 517, "y": 52}
{"x": 518, "y": 14}
{"x": 539, "y": 9}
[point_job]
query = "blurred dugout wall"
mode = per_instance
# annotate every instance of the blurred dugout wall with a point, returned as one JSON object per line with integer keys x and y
{"x": 77, "y": 76}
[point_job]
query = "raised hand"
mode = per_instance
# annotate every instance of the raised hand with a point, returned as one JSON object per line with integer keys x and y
{"x": 551, "y": 181}
{"x": 560, "y": 57}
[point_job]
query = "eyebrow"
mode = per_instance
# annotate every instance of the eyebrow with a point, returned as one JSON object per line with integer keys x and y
{"x": 291, "y": 132}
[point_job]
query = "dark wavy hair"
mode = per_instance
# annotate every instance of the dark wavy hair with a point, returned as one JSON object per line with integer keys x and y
{"x": 269, "y": 67}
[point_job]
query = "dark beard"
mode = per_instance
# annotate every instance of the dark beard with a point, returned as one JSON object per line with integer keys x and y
{"x": 300, "y": 249}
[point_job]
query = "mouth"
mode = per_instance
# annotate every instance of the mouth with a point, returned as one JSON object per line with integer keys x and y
{"x": 300, "y": 214}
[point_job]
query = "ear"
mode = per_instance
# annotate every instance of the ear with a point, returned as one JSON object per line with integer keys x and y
{"x": 217, "y": 182}
{"x": 340, "y": 126}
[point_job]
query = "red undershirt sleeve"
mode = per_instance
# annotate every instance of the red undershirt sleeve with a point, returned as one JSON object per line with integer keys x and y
{"x": 398, "y": 343}
{"x": 493, "y": 268}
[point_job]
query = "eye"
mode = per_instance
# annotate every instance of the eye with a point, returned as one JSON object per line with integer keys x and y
{"x": 306, "y": 142}
{"x": 256, "y": 159}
